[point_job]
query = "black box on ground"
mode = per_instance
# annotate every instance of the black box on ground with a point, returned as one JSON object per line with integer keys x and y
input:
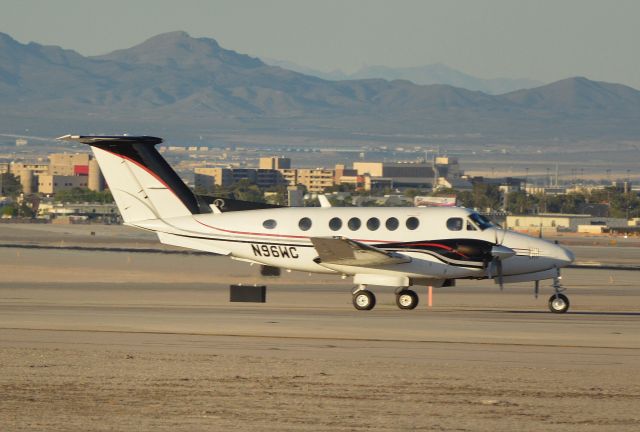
{"x": 248, "y": 293}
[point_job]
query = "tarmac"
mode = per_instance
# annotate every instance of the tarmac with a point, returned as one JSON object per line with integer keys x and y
{"x": 106, "y": 340}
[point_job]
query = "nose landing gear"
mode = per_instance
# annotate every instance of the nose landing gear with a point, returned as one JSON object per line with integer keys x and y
{"x": 558, "y": 303}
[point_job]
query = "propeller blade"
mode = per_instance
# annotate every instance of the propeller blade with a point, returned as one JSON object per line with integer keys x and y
{"x": 540, "y": 232}
{"x": 500, "y": 281}
{"x": 490, "y": 270}
{"x": 536, "y": 288}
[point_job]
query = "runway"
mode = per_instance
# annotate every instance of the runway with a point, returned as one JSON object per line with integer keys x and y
{"x": 120, "y": 341}
{"x": 461, "y": 315}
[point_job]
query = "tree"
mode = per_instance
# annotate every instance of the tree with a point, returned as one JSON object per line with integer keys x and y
{"x": 342, "y": 187}
{"x": 486, "y": 196}
{"x": 465, "y": 199}
{"x": 571, "y": 202}
{"x": 76, "y": 195}
{"x": 10, "y": 185}
{"x": 519, "y": 202}
{"x": 18, "y": 210}
{"x": 245, "y": 191}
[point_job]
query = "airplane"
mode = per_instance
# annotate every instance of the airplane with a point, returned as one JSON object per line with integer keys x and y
{"x": 397, "y": 247}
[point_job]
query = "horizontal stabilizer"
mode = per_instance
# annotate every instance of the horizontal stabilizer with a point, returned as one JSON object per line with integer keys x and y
{"x": 190, "y": 243}
{"x": 111, "y": 139}
{"x": 343, "y": 251}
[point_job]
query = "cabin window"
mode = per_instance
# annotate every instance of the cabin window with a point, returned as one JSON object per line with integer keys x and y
{"x": 454, "y": 224}
{"x": 304, "y": 224}
{"x": 335, "y": 224}
{"x": 373, "y": 223}
{"x": 412, "y": 223}
{"x": 471, "y": 227}
{"x": 354, "y": 224}
{"x": 269, "y": 224}
{"x": 392, "y": 224}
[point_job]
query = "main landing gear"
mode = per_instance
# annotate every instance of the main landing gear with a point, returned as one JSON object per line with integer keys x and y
{"x": 406, "y": 299}
{"x": 558, "y": 303}
{"x": 363, "y": 299}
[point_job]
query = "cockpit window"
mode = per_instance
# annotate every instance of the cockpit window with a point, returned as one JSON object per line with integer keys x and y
{"x": 482, "y": 222}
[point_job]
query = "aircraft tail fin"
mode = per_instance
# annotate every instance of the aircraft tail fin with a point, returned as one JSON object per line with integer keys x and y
{"x": 143, "y": 184}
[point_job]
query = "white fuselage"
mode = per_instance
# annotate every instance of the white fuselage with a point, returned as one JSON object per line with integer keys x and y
{"x": 281, "y": 238}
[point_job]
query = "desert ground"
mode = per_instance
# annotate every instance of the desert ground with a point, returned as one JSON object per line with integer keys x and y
{"x": 100, "y": 332}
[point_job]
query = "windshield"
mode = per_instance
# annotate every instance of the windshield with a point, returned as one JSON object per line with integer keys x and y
{"x": 482, "y": 222}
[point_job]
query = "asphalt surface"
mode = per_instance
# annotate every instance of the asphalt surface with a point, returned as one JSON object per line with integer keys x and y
{"x": 98, "y": 340}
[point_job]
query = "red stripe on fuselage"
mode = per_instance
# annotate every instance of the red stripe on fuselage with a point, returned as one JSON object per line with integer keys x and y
{"x": 445, "y": 247}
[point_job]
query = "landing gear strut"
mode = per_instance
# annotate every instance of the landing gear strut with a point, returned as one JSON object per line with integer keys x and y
{"x": 363, "y": 299}
{"x": 558, "y": 303}
{"x": 406, "y": 299}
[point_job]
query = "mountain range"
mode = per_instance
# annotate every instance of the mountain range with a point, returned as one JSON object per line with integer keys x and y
{"x": 436, "y": 73}
{"x": 183, "y": 86}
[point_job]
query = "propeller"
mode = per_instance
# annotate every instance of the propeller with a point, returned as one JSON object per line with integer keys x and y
{"x": 536, "y": 284}
{"x": 498, "y": 253}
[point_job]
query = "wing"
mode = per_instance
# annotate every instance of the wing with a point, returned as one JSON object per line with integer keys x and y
{"x": 343, "y": 251}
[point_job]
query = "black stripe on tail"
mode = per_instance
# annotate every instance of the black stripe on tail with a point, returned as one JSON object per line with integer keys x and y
{"x": 141, "y": 150}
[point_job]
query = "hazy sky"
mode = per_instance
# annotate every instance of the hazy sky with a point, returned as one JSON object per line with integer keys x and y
{"x": 539, "y": 39}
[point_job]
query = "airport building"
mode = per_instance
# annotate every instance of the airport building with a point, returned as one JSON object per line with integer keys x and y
{"x": 442, "y": 172}
{"x": 64, "y": 171}
{"x": 49, "y": 184}
{"x": 69, "y": 164}
{"x": 205, "y": 179}
{"x": 274, "y": 163}
{"x": 80, "y": 211}
{"x": 553, "y": 222}
{"x": 315, "y": 179}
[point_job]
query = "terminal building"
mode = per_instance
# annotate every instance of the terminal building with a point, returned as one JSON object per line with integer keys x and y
{"x": 554, "y": 222}
{"x": 442, "y": 172}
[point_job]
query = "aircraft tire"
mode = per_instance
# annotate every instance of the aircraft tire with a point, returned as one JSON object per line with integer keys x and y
{"x": 364, "y": 300}
{"x": 407, "y": 299}
{"x": 558, "y": 303}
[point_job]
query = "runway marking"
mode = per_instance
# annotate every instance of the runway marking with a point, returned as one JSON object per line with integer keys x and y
{"x": 319, "y": 338}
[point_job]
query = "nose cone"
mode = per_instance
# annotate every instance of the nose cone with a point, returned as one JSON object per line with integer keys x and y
{"x": 563, "y": 255}
{"x": 502, "y": 252}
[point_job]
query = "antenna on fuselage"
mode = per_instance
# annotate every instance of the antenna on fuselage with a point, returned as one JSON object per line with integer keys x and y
{"x": 324, "y": 201}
